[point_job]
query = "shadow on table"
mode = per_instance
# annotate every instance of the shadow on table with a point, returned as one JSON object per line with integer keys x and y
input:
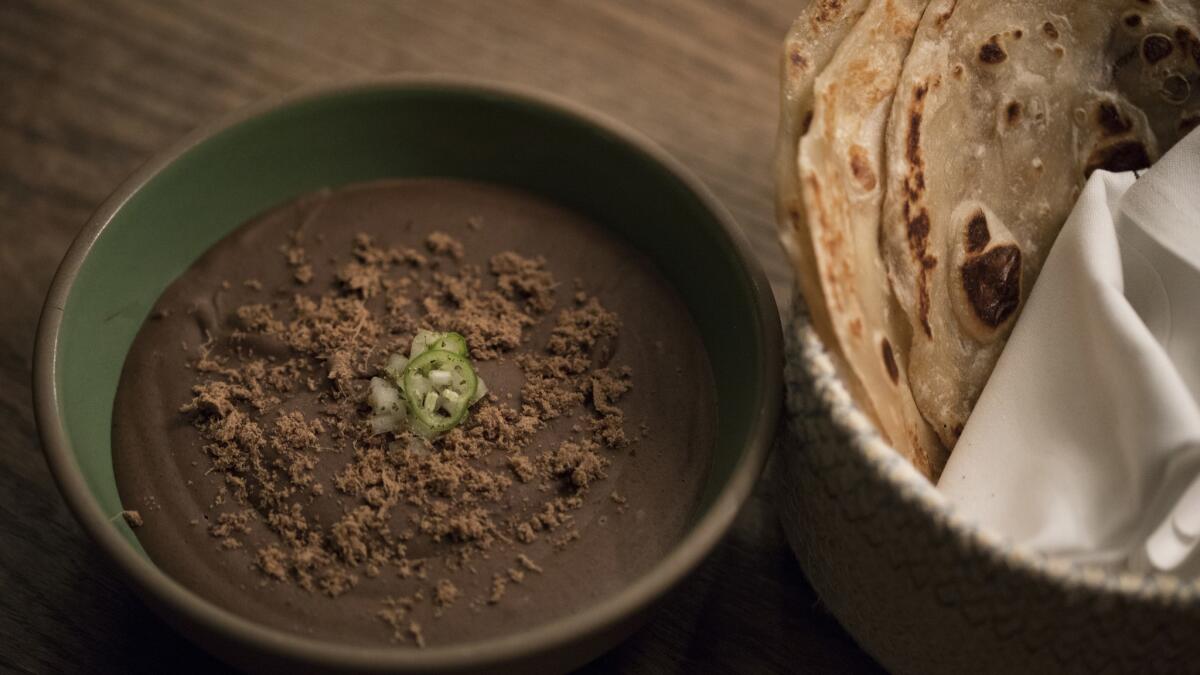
{"x": 141, "y": 642}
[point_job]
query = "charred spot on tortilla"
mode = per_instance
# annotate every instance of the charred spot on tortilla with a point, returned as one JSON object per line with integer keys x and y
{"x": 918, "y": 235}
{"x": 992, "y": 282}
{"x": 978, "y": 235}
{"x": 1133, "y": 19}
{"x": 1176, "y": 89}
{"x": 856, "y": 327}
{"x": 1012, "y": 113}
{"x": 914, "y": 182}
{"x": 1118, "y": 157}
{"x": 1050, "y": 31}
{"x": 914, "y": 132}
{"x": 798, "y": 59}
{"x": 860, "y": 166}
{"x": 1124, "y": 59}
{"x": 991, "y": 52}
{"x": 828, "y": 11}
{"x": 918, "y": 240}
{"x": 1156, "y": 47}
{"x": 1111, "y": 120}
{"x": 945, "y": 16}
{"x": 889, "y": 360}
{"x": 918, "y": 225}
{"x": 1188, "y": 43}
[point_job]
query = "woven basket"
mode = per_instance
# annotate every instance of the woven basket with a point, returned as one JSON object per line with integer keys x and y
{"x": 926, "y": 592}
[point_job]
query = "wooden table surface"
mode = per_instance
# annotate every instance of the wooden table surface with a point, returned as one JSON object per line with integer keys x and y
{"x": 89, "y": 90}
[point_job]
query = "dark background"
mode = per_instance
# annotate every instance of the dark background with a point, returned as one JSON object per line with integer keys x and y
{"x": 90, "y": 90}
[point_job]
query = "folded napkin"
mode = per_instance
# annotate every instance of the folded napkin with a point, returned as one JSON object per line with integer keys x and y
{"x": 1086, "y": 440}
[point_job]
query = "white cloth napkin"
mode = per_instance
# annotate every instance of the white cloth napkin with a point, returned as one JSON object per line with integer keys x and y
{"x": 1086, "y": 439}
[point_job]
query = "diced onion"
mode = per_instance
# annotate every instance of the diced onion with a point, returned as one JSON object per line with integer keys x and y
{"x": 439, "y": 378}
{"x": 382, "y": 424}
{"x": 421, "y": 342}
{"x": 431, "y": 401}
{"x": 383, "y": 396}
{"x": 395, "y": 367}
{"x": 451, "y": 401}
{"x": 420, "y": 387}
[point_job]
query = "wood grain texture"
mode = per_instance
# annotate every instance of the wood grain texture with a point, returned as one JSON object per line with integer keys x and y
{"x": 90, "y": 90}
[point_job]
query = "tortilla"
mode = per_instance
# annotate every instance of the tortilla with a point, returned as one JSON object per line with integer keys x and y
{"x": 1001, "y": 112}
{"x": 841, "y": 177}
{"x": 810, "y": 44}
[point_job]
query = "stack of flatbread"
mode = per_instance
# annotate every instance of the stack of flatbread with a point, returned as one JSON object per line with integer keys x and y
{"x": 929, "y": 154}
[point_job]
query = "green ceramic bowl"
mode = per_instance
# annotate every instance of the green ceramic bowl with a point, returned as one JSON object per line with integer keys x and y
{"x": 181, "y": 203}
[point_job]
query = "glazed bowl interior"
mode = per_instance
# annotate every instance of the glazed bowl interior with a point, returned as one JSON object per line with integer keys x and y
{"x": 177, "y": 207}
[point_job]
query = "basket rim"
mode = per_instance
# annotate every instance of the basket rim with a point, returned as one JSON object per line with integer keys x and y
{"x": 913, "y": 489}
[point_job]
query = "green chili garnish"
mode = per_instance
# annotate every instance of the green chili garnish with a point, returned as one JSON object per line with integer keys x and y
{"x": 439, "y": 387}
{"x": 430, "y": 390}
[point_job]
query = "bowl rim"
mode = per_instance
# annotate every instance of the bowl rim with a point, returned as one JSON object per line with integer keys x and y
{"x": 151, "y": 582}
